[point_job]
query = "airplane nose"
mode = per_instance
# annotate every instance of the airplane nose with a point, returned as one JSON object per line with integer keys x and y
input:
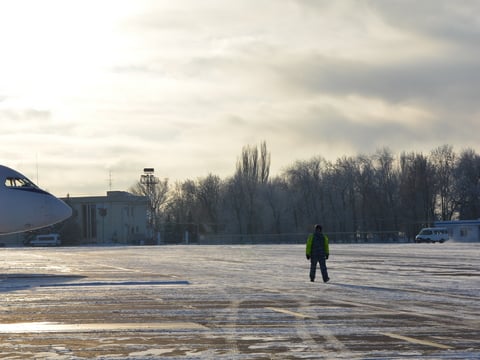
{"x": 59, "y": 211}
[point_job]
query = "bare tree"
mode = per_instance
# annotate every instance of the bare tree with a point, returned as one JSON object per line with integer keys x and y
{"x": 416, "y": 192}
{"x": 251, "y": 171}
{"x": 235, "y": 207}
{"x": 343, "y": 195}
{"x": 157, "y": 198}
{"x": 443, "y": 159}
{"x": 209, "y": 199}
{"x": 387, "y": 181}
{"x": 304, "y": 182}
{"x": 368, "y": 196}
{"x": 275, "y": 195}
{"x": 467, "y": 185}
{"x": 264, "y": 163}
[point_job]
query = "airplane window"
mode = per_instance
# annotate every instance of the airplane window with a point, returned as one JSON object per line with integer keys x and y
{"x": 19, "y": 182}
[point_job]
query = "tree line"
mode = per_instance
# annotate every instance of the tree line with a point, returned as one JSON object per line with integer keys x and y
{"x": 376, "y": 193}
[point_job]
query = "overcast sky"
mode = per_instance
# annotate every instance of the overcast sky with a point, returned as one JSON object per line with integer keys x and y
{"x": 93, "y": 87}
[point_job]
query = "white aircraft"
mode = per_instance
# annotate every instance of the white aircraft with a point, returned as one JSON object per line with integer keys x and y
{"x": 24, "y": 206}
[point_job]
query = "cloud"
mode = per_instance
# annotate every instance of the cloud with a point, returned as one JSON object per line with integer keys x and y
{"x": 436, "y": 82}
{"x": 444, "y": 21}
{"x": 23, "y": 118}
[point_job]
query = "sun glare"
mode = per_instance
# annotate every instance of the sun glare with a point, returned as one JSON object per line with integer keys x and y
{"x": 55, "y": 48}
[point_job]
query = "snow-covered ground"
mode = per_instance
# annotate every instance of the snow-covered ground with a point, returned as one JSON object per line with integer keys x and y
{"x": 406, "y": 301}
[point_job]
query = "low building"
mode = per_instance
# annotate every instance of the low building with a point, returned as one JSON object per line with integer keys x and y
{"x": 119, "y": 217}
{"x": 462, "y": 230}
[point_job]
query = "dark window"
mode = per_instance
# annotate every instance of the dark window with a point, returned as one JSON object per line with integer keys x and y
{"x": 89, "y": 221}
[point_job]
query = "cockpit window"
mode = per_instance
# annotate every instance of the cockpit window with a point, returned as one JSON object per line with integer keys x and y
{"x": 16, "y": 182}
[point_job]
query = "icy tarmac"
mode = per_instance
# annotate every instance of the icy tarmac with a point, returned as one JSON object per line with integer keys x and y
{"x": 405, "y": 301}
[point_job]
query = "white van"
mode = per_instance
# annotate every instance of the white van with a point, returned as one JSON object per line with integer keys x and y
{"x": 46, "y": 240}
{"x": 432, "y": 235}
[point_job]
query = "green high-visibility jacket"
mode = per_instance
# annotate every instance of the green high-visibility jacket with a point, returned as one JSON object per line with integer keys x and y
{"x": 310, "y": 241}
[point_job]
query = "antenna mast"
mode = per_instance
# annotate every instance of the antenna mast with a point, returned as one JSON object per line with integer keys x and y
{"x": 110, "y": 180}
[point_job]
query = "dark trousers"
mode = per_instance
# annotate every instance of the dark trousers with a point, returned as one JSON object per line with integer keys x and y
{"x": 323, "y": 267}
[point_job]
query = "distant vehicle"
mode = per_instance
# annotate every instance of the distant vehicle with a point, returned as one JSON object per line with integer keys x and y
{"x": 46, "y": 240}
{"x": 24, "y": 206}
{"x": 432, "y": 235}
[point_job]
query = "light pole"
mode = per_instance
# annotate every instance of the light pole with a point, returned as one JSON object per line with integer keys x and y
{"x": 149, "y": 180}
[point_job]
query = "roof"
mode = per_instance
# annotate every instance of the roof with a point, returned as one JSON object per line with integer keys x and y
{"x": 112, "y": 196}
{"x": 457, "y": 222}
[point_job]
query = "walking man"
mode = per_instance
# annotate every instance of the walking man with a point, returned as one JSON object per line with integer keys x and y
{"x": 318, "y": 252}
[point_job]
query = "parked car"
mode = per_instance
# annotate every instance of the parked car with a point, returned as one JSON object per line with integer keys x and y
{"x": 46, "y": 240}
{"x": 432, "y": 235}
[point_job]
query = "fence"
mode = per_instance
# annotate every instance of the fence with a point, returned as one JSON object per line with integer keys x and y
{"x": 300, "y": 238}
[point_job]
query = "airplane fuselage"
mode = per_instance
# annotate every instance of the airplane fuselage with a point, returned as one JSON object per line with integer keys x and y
{"x": 24, "y": 206}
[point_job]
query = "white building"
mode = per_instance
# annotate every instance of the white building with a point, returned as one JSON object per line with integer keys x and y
{"x": 119, "y": 217}
{"x": 462, "y": 230}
